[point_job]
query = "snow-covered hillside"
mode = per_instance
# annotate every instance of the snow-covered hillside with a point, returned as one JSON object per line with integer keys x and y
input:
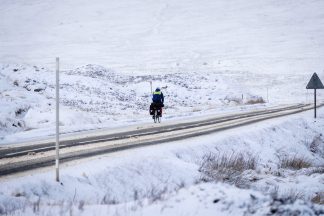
{"x": 95, "y": 97}
{"x": 163, "y": 36}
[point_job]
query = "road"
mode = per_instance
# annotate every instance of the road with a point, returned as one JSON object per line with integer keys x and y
{"x": 14, "y": 159}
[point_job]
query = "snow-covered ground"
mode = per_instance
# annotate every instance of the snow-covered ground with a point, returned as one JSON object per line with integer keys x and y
{"x": 283, "y": 174}
{"x": 209, "y": 57}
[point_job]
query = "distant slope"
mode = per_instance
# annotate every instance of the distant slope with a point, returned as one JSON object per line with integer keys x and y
{"x": 163, "y": 36}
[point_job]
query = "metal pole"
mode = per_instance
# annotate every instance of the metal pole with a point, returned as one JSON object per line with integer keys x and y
{"x": 315, "y": 103}
{"x": 151, "y": 87}
{"x": 57, "y": 120}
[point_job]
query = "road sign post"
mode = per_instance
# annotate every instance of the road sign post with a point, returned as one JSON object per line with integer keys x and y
{"x": 315, "y": 83}
{"x": 314, "y": 103}
{"x": 57, "y": 147}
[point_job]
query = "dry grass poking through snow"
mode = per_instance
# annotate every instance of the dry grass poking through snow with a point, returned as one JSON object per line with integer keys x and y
{"x": 227, "y": 167}
{"x": 318, "y": 198}
{"x": 296, "y": 162}
{"x": 240, "y": 170}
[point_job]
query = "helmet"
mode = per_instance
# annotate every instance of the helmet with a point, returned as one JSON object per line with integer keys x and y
{"x": 157, "y": 89}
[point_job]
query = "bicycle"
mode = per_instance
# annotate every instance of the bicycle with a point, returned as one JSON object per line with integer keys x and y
{"x": 156, "y": 113}
{"x": 157, "y": 117}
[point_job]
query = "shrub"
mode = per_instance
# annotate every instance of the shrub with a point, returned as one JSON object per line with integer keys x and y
{"x": 255, "y": 101}
{"x": 296, "y": 162}
{"x": 318, "y": 198}
{"x": 227, "y": 168}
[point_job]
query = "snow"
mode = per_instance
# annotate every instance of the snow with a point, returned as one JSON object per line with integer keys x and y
{"x": 163, "y": 36}
{"x": 166, "y": 179}
{"x": 209, "y": 57}
{"x": 94, "y": 97}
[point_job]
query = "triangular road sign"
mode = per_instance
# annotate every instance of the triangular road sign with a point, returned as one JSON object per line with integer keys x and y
{"x": 315, "y": 83}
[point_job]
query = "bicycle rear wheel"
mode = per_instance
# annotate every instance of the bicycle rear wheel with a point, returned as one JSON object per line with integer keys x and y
{"x": 155, "y": 116}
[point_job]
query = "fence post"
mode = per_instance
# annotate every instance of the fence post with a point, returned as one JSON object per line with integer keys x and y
{"x": 57, "y": 147}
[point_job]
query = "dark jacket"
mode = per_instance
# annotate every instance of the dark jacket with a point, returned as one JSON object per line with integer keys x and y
{"x": 158, "y": 97}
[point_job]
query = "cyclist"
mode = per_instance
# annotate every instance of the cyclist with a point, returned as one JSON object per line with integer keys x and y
{"x": 157, "y": 101}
